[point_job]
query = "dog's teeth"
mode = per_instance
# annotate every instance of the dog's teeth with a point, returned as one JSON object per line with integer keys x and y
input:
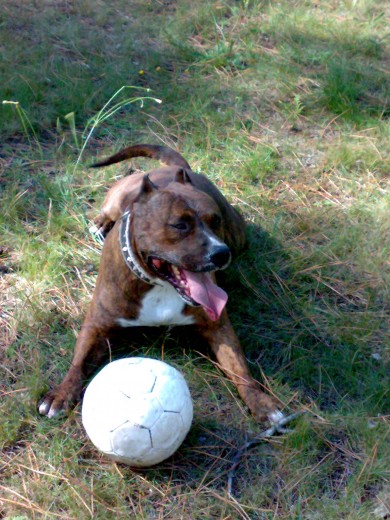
{"x": 176, "y": 271}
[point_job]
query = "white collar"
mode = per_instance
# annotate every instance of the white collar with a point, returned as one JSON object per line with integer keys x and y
{"x": 129, "y": 255}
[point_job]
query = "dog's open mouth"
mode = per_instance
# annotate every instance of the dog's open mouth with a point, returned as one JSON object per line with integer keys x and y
{"x": 194, "y": 288}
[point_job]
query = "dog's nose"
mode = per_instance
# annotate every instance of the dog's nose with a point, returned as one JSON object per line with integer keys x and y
{"x": 220, "y": 256}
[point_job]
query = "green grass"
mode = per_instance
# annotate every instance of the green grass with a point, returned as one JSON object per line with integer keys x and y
{"x": 285, "y": 106}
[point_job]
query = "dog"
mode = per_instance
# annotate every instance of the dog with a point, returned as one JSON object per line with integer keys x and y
{"x": 166, "y": 233}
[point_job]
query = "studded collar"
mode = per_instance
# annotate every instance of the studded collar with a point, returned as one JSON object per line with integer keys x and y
{"x": 128, "y": 253}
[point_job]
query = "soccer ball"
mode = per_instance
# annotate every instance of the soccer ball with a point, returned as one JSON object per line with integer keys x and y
{"x": 137, "y": 411}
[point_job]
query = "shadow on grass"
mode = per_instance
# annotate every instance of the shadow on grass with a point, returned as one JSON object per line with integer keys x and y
{"x": 285, "y": 323}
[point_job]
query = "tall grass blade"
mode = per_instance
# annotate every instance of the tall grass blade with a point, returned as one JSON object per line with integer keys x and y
{"x": 108, "y": 111}
{"x": 26, "y": 124}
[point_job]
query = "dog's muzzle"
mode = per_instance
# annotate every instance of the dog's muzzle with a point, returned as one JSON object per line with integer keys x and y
{"x": 220, "y": 256}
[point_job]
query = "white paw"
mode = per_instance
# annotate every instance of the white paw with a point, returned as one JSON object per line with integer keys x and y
{"x": 93, "y": 230}
{"x": 276, "y": 417}
{"x": 97, "y": 234}
{"x": 45, "y": 408}
{"x": 279, "y": 421}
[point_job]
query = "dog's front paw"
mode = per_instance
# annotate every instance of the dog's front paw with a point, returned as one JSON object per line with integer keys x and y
{"x": 275, "y": 417}
{"x": 264, "y": 407}
{"x": 97, "y": 234}
{"x": 56, "y": 403}
{"x": 102, "y": 224}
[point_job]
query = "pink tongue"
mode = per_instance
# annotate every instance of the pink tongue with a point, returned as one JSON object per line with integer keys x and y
{"x": 205, "y": 292}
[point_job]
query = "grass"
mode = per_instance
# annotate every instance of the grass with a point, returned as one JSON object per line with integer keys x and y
{"x": 285, "y": 106}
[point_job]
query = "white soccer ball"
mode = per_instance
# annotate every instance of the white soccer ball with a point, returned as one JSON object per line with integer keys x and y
{"x": 137, "y": 411}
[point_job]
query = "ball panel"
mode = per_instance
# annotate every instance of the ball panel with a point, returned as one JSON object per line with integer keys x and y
{"x": 130, "y": 380}
{"x": 130, "y": 439}
{"x": 172, "y": 391}
{"x": 143, "y": 410}
{"x": 187, "y": 413}
{"x": 169, "y": 432}
{"x": 103, "y": 411}
{"x": 154, "y": 457}
{"x": 126, "y": 375}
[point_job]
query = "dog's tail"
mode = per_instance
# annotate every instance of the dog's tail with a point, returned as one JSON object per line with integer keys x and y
{"x": 161, "y": 153}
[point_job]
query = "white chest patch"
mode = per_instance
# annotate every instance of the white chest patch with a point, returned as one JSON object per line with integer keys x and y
{"x": 160, "y": 306}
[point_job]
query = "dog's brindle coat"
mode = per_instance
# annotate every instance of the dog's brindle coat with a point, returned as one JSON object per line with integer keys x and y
{"x": 166, "y": 234}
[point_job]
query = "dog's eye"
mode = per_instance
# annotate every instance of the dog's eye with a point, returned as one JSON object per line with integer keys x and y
{"x": 182, "y": 225}
{"x": 215, "y": 222}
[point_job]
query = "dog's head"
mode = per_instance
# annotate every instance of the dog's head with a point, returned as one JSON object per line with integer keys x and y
{"x": 177, "y": 233}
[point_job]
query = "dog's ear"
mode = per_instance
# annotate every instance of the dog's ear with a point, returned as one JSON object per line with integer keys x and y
{"x": 147, "y": 185}
{"x": 147, "y": 188}
{"x": 182, "y": 176}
